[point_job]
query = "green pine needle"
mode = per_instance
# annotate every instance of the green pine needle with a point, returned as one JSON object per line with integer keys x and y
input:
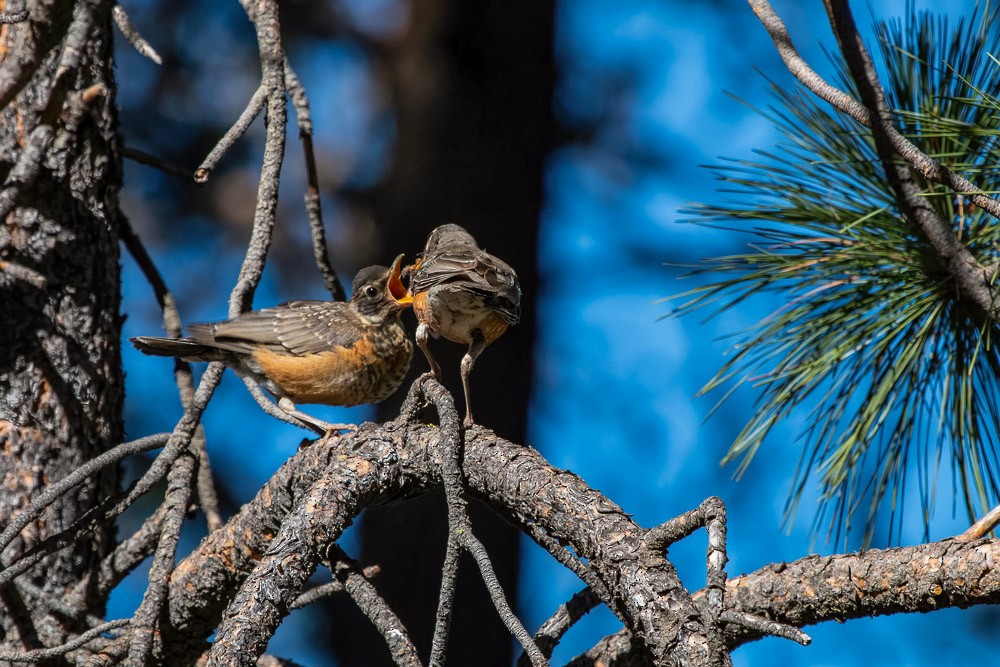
{"x": 873, "y": 334}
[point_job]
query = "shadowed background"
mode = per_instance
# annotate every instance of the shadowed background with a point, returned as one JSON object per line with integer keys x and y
{"x": 565, "y": 136}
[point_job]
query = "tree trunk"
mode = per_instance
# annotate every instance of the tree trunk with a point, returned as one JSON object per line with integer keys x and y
{"x": 61, "y": 383}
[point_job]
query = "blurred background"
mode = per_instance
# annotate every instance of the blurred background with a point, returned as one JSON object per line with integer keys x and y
{"x": 564, "y": 136}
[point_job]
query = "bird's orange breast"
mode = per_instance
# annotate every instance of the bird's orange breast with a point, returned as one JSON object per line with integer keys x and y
{"x": 340, "y": 376}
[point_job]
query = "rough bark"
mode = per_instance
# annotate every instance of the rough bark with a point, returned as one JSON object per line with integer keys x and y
{"x": 61, "y": 383}
{"x": 378, "y": 464}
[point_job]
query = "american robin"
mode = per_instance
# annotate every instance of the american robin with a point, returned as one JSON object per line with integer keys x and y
{"x": 333, "y": 353}
{"x": 464, "y": 294}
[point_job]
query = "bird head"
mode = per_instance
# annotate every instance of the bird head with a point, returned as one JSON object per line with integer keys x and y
{"x": 377, "y": 290}
{"x": 448, "y": 235}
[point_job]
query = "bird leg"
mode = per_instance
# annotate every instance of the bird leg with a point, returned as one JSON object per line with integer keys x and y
{"x": 423, "y": 334}
{"x": 308, "y": 421}
{"x": 476, "y": 348}
{"x": 289, "y": 416}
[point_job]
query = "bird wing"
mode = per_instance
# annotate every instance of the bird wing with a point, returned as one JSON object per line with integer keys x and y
{"x": 296, "y": 327}
{"x": 476, "y": 271}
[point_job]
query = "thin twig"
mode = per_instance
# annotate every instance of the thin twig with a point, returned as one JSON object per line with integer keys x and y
{"x": 182, "y": 370}
{"x": 208, "y": 497}
{"x": 765, "y": 626}
{"x": 303, "y": 117}
{"x": 176, "y": 500}
{"x": 566, "y": 558}
{"x": 982, "y": 527}
{"x": 232, "y": 135}
{"x": 142, "y": 157}
{"x": 446, "y": 600}
{"x": 39, "y": 655}
{"x": 119, "y": 563}
{"x": 557, "y": 625}
{"x": 78, "y": 476}
{"x": 374, "y": 606}
{"x": 507, "y": 615}
{"x": 46, "y": 600}
{"x": 132, "y": 35}
{"x": 264, "y": 16}
{"x": 329, "y": 588}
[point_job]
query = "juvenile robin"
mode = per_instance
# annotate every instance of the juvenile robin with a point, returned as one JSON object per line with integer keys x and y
{"x": 464, "y": 294}
{"x": 332, "y": 353}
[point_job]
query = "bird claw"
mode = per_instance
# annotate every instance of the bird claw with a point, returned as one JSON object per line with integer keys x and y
{"x": 334, "y": 430}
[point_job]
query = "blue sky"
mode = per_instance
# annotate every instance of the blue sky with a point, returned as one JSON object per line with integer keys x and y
{"x": 615, "y": 384}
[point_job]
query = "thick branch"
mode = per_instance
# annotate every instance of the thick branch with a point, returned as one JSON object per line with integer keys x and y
{"x": 514, "y": 479}
{"x": 878, "y": 582}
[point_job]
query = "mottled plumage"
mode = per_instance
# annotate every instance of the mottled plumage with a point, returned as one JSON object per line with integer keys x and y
{"x": 462, "y": 293}
{"x": 332, "y": 353}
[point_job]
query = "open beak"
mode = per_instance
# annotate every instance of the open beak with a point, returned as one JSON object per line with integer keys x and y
{"x": 397, "y": 290}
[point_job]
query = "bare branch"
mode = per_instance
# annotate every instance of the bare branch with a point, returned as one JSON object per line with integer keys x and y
{"x": 175, "y": 504}
{"x": 563, "y": 555}
{"x": 982, "y": 527}
{"x": 132, "y": 35}
{"x": 53, "y": 491}
{"x": 56, "y": 651}
{"x": 182, "y": 370}
{"x": 297, "y": 93}
{"x": 765, "y": 626}
{"x": 20, "y": 272}
{"x": 355, "y": 582}
{"x": 446, "y": 601}
{"x": 877, "y": 582}
{"x": 208, "y": 498}
{"x": 130, "y": 552}
{"x": 552, "y": 630}
{"x": 232, "y": 135}
{"x": 49, "y": 602}
{"x": 460, "y": 533}
{"x": 143, "y": 157}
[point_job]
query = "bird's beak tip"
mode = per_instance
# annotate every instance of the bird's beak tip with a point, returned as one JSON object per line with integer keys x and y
{"x": 397, "y": 290}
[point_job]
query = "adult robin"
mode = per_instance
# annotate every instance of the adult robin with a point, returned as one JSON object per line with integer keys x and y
{"x": 332, "y": 353}
{"x": 463, "y": 293}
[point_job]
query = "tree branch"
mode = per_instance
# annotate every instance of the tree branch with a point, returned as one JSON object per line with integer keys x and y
{"x": 974, "y": 279}
{"x": 878, "y": 582}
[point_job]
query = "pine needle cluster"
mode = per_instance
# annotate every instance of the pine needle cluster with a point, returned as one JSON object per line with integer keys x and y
{"x": 900, "y": 375}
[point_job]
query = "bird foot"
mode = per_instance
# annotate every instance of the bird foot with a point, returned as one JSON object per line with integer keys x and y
{"x": 333, "y": 430}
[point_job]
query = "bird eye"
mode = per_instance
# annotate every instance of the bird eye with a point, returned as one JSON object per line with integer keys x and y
{"x": 371, "y": 291}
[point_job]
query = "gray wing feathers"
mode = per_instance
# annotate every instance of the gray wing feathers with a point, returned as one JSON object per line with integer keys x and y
{"x": 299, "y": 327}
{"x": 314, "y": 326}
{"x": 478, "y": 272}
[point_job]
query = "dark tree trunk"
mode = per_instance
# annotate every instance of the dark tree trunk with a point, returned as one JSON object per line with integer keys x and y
{"x": 473, "y": 83}
{"x": 61, "y": 383}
